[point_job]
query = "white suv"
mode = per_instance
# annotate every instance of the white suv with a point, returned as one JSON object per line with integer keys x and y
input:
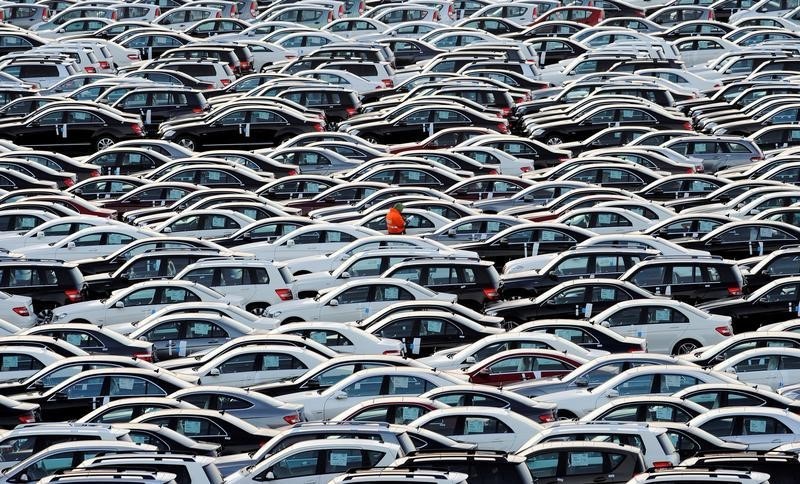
{"x": 696, "y": 476}
{"x": 397, "y": 475}
{"x": 188, "y": 468}
{"x": 258, "y": 283}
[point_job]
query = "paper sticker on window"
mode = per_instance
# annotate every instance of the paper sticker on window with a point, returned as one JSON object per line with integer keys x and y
{"x": 579, "y": 459}
{"x": 672, "y": 381}
{"x": 411, "y": 413}
{"x": 547, "y": 236}
{"x": 662, "y": 314}
{"x": 664, "y": 413}
{"x": 191, "y": 427}
{"x": 338, "y": 459}
{"x": 757, "y": 426}
{"x": 391, "y": 293}
{"x": 10, "y": 362}
{"x": 319, "y": 336}
{"x": 475, "y": 426}
{"x": 125, "y": 383}
{"x": 182, "y": 348}
{"x": 401, "y": 382}
{"x": 74, "y": 339}
{"x": 271, "y": 361}
{"x": 434, "y": 326}
{"x": 202, "y": 329}
{"x": 607, "y": 294}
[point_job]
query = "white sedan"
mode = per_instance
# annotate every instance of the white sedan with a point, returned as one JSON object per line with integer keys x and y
{"x": 352, "y": 301}
{"x": 342, "y": 78}
{"x": 86, "y": 243}
{"x": 343, "y": 338}
{"x": 670, "y": 327}
{"x": 761, "y": 428}
{"x": 772, "y": 366}
{"x": 487, "y": 427}
{"x": 369, "y": 384}
{"x": 306, "y": 241}
{"x": 138, "y": 301}
{"x": 605, "y": 220}
{"x": 17, "y": 310}
{"x": 220, "y": 308}
{"x": 464, "y": 356}
{"x": 21, "y": 362}
{"x": 208, "y": 223}
{"x": 52, "y": 231}
{"x": 655, "y": 380}
{"x": 254, "y": 365}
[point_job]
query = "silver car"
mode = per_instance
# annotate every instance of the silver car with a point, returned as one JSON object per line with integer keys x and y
{"x": 252, "y": 407}
{"x": 717, "y": 152}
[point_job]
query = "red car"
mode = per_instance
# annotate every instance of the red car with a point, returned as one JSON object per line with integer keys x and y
{"x": 394, "y": 410}
{"x": 521, "y": 365}
{"x": 446, "y": 138}
{"x": 77, "y": 204}
{"x": 583, "y": 15}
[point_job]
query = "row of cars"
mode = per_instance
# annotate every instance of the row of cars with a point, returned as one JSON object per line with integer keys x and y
{"x": 599, "y": 279}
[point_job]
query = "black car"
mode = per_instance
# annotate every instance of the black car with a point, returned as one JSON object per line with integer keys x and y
{"x": 409, "y": 51}
{"x": 13, "y": 413}
{"x": 482, "y": 467}
{"x": 337, "y": 103}
{"x": 256, "y": 162}
{"x": 421, "y": 122}
{"x": 156, "y": 105}
{"x": 474, "y": 282}
{"x": 327, "y": 374}
{"x": 49, "y": 283}
{"x": 713, "y": 395}
{"x": 212, "y": 426}
{"x": 737, "y": 240}
{"x": 215, "y": 175}
{"x": 571, "y": 264}
{"x": 778, "y": 264}
{"x": 94, "y": 340}
{"x": 782, "y": 467}
{"x": 692, "y": 441}
{"x": 692, "y": 279}
{"x": 298, "y": 187}
{"x": 243, "y": 127}
{"x": 58, "y": 346}
{"x": 569, "y": 299}
{"x": 589, "y": 335}
{"x": 72, "y": 398}
{"x": 38, "y": 172}
{"x": 24, "y": 106}
{"x": 775, "y": 302}
{"x": 710, "y": 356}
{"x": 168, "y": 440}
{"x": 689, "y": 225}
{"x": 78, "y": 130}
{"x": 723, "y": 194}
{"x": 469, "y": 396}
{"x": 527, "y": 240}
{"x": 265, "y": 230}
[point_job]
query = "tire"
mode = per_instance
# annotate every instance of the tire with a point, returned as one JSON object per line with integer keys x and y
{"x": 291, "y": 320}
{"x": 566, "y": 415}
{"x": 301, "y": 273}
{"x": 371, "y": 140}
{"x": 187, "y": 142}
{"x": 103, "y": 142}
{"x": 79, "y": 321}
{"x": 306, "y": 294}
{"x": 258, "y": 308}
{"x": 554, "y": 140}
{"x": 45, "y": 312}
{"x": 685, "y": 346}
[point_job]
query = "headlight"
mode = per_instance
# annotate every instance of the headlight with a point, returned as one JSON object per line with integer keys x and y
{"x": 56, "y": 317}
{"x": 274, "y": 314}
{"x": 491, "y": 313}
{"x": 538, "y": 132}
{"x": 169, "y": 133}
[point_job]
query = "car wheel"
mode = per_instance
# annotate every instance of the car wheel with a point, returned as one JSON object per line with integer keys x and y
{"x": 371, "y": 140}
{"x": 45, "y": 313}
{"x": 554, "y": 140}
{"x": 685, "y": 346}
{"x": 566, "y": 415}
{"x": 187, "y": 142}
{"x": 104, "y": 142}
{"x": 259, "y": 308}
{"x": 301, "y": 273}
{"x": 79, "y": 321}
{"x": 291, "y": 320}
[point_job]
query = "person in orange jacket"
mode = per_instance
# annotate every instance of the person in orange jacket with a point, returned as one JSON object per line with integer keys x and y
{"x": 395, "y": 223}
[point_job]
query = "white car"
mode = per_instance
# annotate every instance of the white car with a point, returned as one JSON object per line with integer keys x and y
{"x": 254, "y": 365}
{"x": 330, "y": 261}
{"x": 761, "y": 428}
{"x": 682, "y": 78}
{"x": 488, "y": 428}
{"x": 20, "y": 362}
{"x": 465, "y": 356}
{"x": 17, "y": 310}
{"x": 366, "y": 385}
{"x": 665, "y": 247}
{"x": 772, "y": 366}
{"x": 89, "y": 242}
{"x": 306, "y": 241}
{"x": 343, "y": 338}
{"x": 653, "y": 379}
{"x": 220, "y": 308}
{"x": 19, "y": 222}
{"x": 353, "y": 300}
{"x": 670, "y": 327}
{"x": 138, "y": 301}
{"x": 641, "y": 207}
{"x": 298, "y": 464}
{"x": 661, "y": 409}
{"x": 52, "y": 231}
{"x": 605, "y": 220}
{"x": 342, "y": 78}
{"x": 208, "y": 223}
{"x": 258, "y": 283}
{"x": 508, "y": 163}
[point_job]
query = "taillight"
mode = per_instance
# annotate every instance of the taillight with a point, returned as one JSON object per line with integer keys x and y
{"x": 362, "y": 7}
{"x": 662, "y": 464}
{"x": 105, "y": 65}
{"x": 387, "y": 83}
{"x": 292, "y": 172}
{"x": 756, "y": 158}
{"x": 525, "y": 169}
{"x": 253, "y": 11}
{"x": 114, "y": 15}
{"x": 133, "y": 56}
{"x": 547, "y": 417}
{"x": 73, "y": 295}
{"x": 22, "y": 311}
{"x": 225, "y": 82}
{"x": 292, "y": 419}
{"x": 68, "y": 182}
{"x": 687, "y": 126}
{"x": 27, "y": 418}
{"x": 45, "y": 14}
{"x": 505, "y": 112}
{"x": 284, "y": 294}
{"x": 392, "y": 352}
{"x": 330, "y": 17}
{"x": 158, "y": 11}
{"x": 690, "y": 170}
{"x": 490, "y": 293}
{"x": 451, "y": 12}
{"x": 90, "y": 69}
{"x": 143, "y": 356}
{"x": 436, "y": 16}
{"x": 94, "y": 173}
{"x": 502, "y": 128}
{"x": 318, "y": 127}
{"x": 197, "y": 110}
{"x": 724, "y": 330}
{"x": 219, "y": 14}
{"x": 137, "y": 130}
{"x": 341, "y": 10}
{"x": 734, "y": 290}
{"x": 493, "y": 172}
{"x": 245, "y": 65}
{"x": 351, "y": 111}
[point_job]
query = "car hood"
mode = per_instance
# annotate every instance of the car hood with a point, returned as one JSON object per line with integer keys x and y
{"x": 291, "y": 305}
{"x": 565, "y": 395}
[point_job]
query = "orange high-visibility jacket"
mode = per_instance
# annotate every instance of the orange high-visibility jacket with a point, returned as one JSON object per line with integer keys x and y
{"x": 395, "y": 224}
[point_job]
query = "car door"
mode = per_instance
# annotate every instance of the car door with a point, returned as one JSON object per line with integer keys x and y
{"x": 762, "y": 432}
{"x": 202, "y": 335}
{"x": 412, "y": 127}
{"x": 360, "y": 390}
{"x": 664, "y": 327}
{"x": 263, "y": 127}
{"x": 384, "y": 295}
{"x": 74, "y": 400}
{"x": 237, "y": 371}
{"x": 307, "y": 243}
{"x": 80, "y": 129}
{"x": 777, "y": 305}
{"x": 166, "y": 338}
{"x": 227, "y": 130}
{"x": 43, "y": 131}
{"x": 299, "y": 468}
{"x": 760, "y": 370}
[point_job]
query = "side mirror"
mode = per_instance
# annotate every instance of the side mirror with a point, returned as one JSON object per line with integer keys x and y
{"x": 470, "y": 360}
{"x": 484, "y": 371}
{"x": 345, "y": 275}
{"x": 553, "y": 274}
{"x": 125, "y": 275}
{"x": 119, "y": 304}
{"x": 582, "y": 382}
{"x": 605, "y": 324}
{"x": 504, "y": 241}
{"x": 214, "y": 372}
{"x": 550, "y": 302}
{"x": 612, "y": 394}
{"x": 312, "y": 383}
{"x": 341, "y": 395}
{"x": 247, "y": 235}
{"x": 400, "y": 123}
{"x": 60, "y": 396}
{"x": 39, "y": 235}
{"x": 333, "y": 302}
{"x": 167, "y": 230}
{"x": 730, "y": 370}
{"x": 70, "y": 245}
{"x": 269, "y": 476}
{"x": 290, "y": 243}
{"x": 451, "y": 233}
{"x": 36, "y": 386}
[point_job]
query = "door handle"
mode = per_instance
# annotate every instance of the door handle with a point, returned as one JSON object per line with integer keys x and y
{"x": 212, "y": 341}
